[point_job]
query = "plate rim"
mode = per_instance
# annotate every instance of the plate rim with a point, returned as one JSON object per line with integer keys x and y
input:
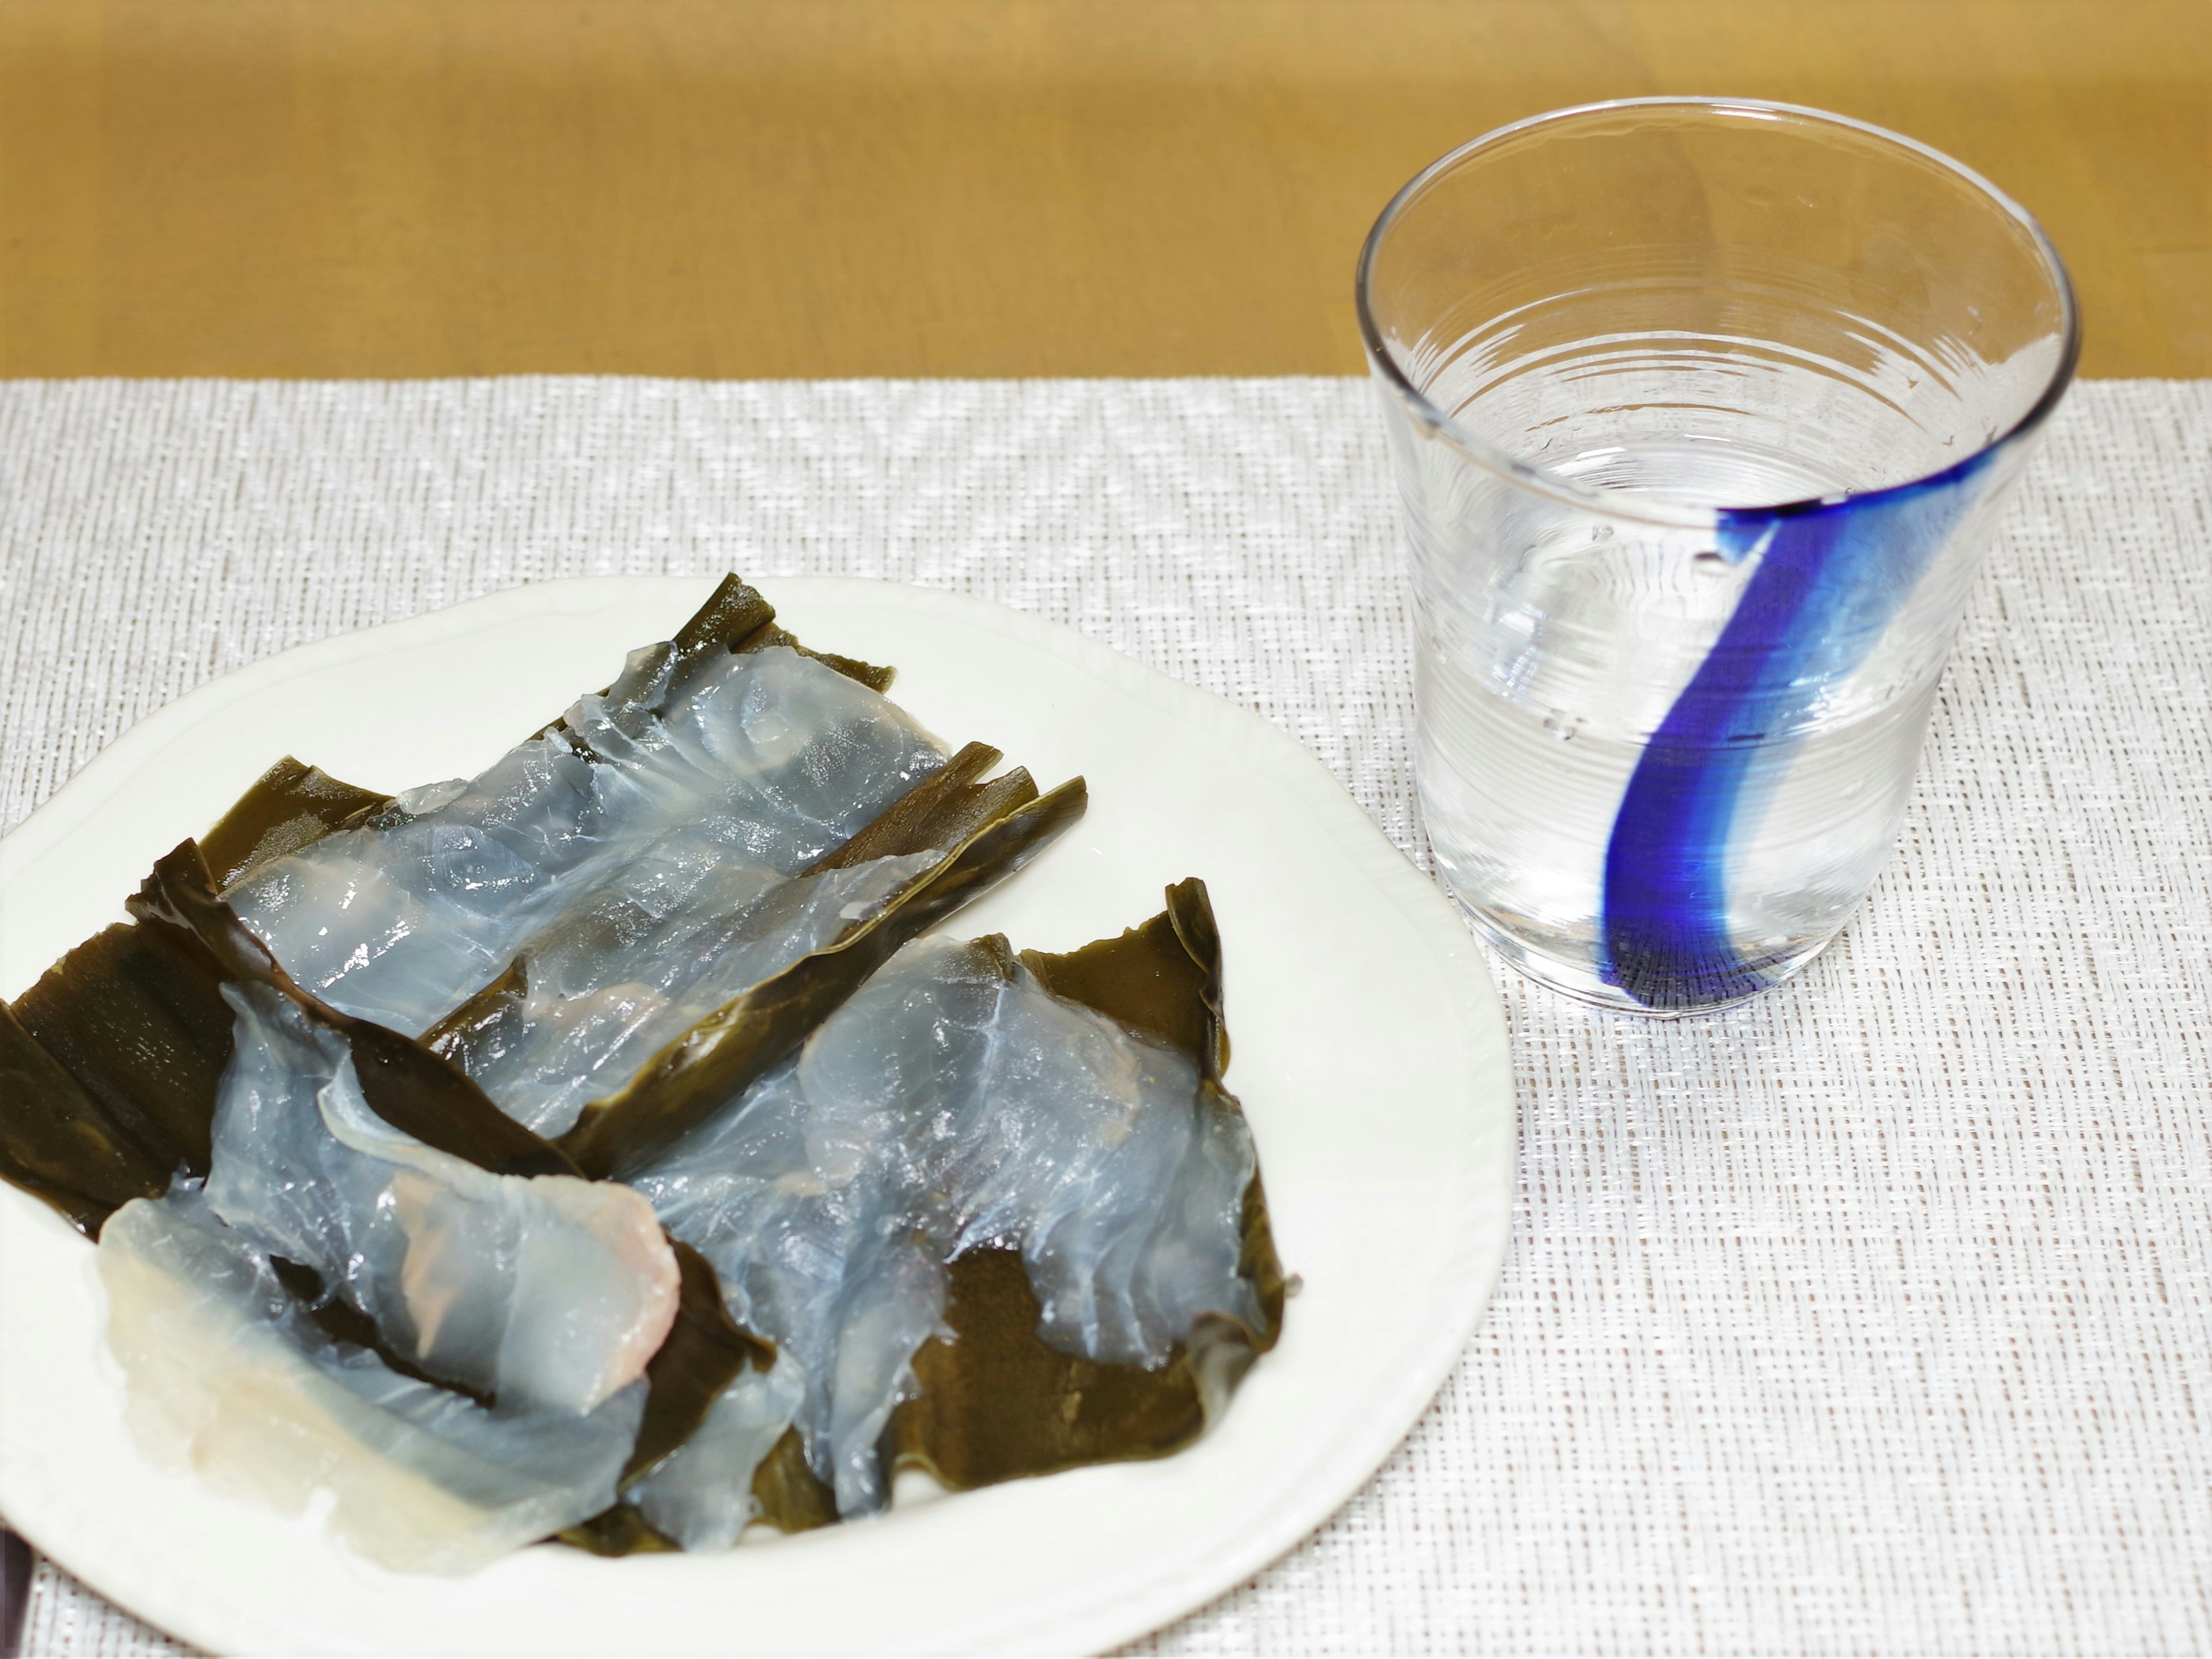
{"x": 1116, "y": 1616}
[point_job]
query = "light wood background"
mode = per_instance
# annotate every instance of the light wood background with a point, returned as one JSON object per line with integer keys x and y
{"x": 985, "y": 187}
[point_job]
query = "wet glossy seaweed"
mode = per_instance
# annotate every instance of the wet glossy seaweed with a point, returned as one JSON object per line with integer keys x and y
{"x": 56, "y": 1143}
{"x": 111, "y": 1063}
{"x": 998, "y": 1402}
{"x": 109, "y": 1068}
{"x": 722, "y": 1056}
{"x": 288, "y": 807}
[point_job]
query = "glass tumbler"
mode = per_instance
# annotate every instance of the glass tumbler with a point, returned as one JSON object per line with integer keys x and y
{"x": 1700, "y": 411}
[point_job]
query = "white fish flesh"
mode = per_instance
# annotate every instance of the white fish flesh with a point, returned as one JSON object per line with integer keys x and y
{"x": 545, "y": 1289}
{"x": 954, "y": 1103}
{"x": 648, "y": 956}
{"x": 769, "y": 758}
{"x": 702, "y": 1496}
{"x": 545, "y": 1295}
{"x": 229, "y": 1378}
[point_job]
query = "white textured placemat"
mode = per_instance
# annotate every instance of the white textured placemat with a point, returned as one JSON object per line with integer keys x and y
{"x": 1874, "y": 1317}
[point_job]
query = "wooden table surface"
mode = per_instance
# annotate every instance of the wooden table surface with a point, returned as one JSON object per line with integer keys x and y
{"x": 968, "y": 187}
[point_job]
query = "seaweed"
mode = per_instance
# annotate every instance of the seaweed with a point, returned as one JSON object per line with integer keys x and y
{"x": 65, "y": 1149}
{"x": 141, "y": 1028}
{"x": 946, "y": 809}
{"x": 791, "y": 1496}
{"x": 703, "y": 1355}
{"x": 738, "y": 617}
{"x": 113, "y": 1060}
{"x": 996, "y": 1401}
{"x": 619, "y": 1530}
{"x": 425, "y": 1095}
{"x": 729, "y": 1050}
{"x": 288, "y": 807}
{"x": 415, "y": 1091}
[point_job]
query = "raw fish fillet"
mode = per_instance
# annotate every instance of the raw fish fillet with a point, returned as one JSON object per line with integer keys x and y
{"x": 229, "y": 1377}
{"x": 650, "y": 954}
{"x": 548, "y": 1291}
{"x": 540, "y": 1299}
{"x": 954, "y": 1104}
{"x": 766, "y": 757}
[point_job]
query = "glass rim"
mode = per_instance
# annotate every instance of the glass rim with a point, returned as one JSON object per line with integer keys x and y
{"x": 1633, "y": 504}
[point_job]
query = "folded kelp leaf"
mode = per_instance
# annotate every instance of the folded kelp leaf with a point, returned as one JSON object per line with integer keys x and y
{"x": 274, "y": 1283}
{"x": 727, "y": 748}
{"x": 230, "y": 1376}
{"x": 665, "y": 944}
{"x": 57, "y": 1142}
{"x": 997, "y": 1400}
{"x": 142, "y": 1032}
{"x": 526, "y": 1308}
{"x": 997, "y": 1230}
{"x": 113, "y": 1060}
{"x": 288, "y": 807}
{"x": 699, "y": 1073}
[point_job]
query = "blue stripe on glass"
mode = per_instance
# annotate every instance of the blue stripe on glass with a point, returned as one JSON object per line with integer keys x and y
{"x": 1830, "y": 577}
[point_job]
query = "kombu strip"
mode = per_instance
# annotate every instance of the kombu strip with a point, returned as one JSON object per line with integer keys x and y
{"x": 290, "y": 806}
{"x": 997, "y": 1402}
{"x": 738, "y": 617}
{"x": 110, "y": 1064}
{"x": 945, "y": 809}
{"x": 694, "y": 1076}
{"x": 69, "y": 1151}
{"x": 134, "y": 1036}
{"x": 424, "y": 1094}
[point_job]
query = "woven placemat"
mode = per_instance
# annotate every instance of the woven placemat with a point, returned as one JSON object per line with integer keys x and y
{"x": 1877, "y": 1315}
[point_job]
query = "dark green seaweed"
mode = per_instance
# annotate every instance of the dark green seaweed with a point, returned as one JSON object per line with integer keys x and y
{"x": 726, "y": 1053}
{"x": 996, "y": 1402}
{"x": 738, "y": 617}
{"x": 290, "y": 806}
{"x": 142, "y": 1027}
{"x": 59, "y": 1146}
{"x": 111, "y": 1061}
{"x": 946, "y": 809}
{"x": 792, "y": 1497}
{"x": 702, "y": 1355}
{"x": 620, "y": 1530}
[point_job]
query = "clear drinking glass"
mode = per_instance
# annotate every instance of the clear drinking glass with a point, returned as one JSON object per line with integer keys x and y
{"x": 1701, "y": 410}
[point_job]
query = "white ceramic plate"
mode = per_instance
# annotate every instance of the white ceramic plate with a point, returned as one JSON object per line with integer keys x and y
{"x": 1370, "y": 1054}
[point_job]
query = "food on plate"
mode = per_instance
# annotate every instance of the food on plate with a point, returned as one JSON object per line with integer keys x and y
{"x": 502, "y": 1392}
{"x": 396, "y": 911}
{"x": 968, "y": 1102}
{"x": 597, "y": 1146}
